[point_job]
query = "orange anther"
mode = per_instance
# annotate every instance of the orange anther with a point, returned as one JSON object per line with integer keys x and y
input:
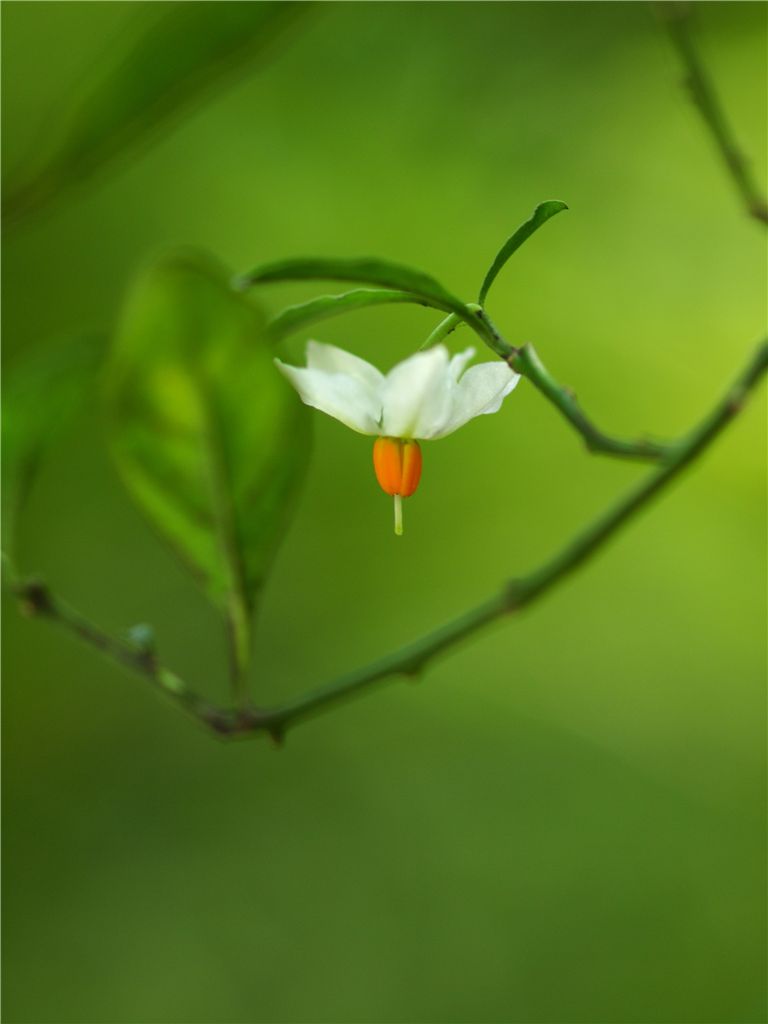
{"x": 397, "y": 464}
{"x": 411, "y": 468}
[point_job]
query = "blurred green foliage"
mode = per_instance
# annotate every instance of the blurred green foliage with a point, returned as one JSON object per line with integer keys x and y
{"x": 210, "y": 440}
{"x": 49, "y": 386}
{"x": 172, "y": 54}
{"x": 566, "y": 820}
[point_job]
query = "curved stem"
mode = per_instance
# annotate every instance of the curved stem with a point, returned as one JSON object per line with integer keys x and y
{"x": 527, "y": 363}
{"x": 35, "y": 599}
{"x": 676, "y": 17}
{"x": 413, "y": 658}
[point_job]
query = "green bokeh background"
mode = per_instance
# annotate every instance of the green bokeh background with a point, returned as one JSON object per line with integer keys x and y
{"x": 565, "y": 820}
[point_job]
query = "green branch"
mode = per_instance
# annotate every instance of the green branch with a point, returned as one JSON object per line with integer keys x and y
{"x": 528, "y": 364}
{"x": 412, "y": 659}
{"x": 676, "y": 17}
{"x": 35, "y": 599}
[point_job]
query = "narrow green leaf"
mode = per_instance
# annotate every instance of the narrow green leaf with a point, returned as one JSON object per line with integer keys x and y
{"x": 181, "y": 52}
{"x": 210, "y": 440}
{"x": 43, "y": 392}
{"x": 295, "y": 317}
{"x": 540, "y": 216}
{"x": 420, "y": 286}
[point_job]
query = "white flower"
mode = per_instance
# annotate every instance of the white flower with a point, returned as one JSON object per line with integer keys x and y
{"x": 427, "y": 396}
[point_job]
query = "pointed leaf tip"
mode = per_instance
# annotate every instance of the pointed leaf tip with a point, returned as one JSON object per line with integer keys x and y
{"x": 543, "y": 212}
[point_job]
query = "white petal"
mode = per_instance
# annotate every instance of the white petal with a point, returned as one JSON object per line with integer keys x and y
{"x": 348, "y": 399}
{"x": 481, "y": 390}
{"x": 336, "y": 360}
{"x": 416, "y": 397}
{"x": 459, "y": 361}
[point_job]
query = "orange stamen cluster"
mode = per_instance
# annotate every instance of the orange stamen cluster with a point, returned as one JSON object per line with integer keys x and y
{"x": 397, "y": 464}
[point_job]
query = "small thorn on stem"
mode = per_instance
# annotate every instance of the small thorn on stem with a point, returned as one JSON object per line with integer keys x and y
{"x": 276, "y": 733}
{"x": 399, "y": 515}
{"x": 35, "y": 598}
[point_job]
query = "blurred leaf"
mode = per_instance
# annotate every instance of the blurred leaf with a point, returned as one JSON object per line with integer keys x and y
{"x": 294, "y": 317}
{"x": 210, "y": 440}
{"x": 42, "y": 393}
{"x": 367, "y": 270}
{"x": 542, "y": 213}
{"x": 184, "y": 50}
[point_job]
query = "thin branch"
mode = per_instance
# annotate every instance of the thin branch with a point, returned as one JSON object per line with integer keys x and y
{"x": 676, "y": 17}
{"x": 526, "y": 361}
{"x": 412, "y": 659}
{"x": 35, "y": 599}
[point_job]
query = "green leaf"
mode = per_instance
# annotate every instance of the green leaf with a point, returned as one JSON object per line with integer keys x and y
{"x": 542, "y": 213}
{"x": 295, "y": 317}
{"x": 43, "y": 392}
{"x": 182, "y": 51}
{"x": 420, "y": 286}
{"x": 210, "y": 440}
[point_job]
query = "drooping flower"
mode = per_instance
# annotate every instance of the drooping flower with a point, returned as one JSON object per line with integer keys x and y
{"x": 427, "y": 396}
